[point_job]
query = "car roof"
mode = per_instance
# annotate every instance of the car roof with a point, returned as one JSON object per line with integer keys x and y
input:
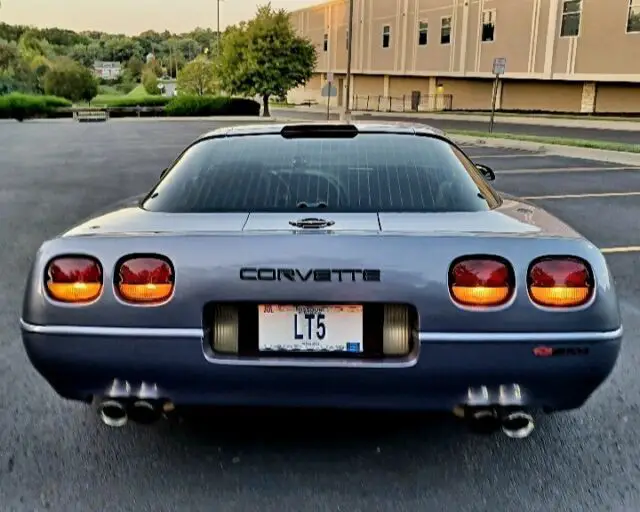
{"x": 362, "y": 126}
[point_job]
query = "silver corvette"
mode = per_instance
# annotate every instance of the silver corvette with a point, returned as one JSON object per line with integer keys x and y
{"x": 324, "y": 265}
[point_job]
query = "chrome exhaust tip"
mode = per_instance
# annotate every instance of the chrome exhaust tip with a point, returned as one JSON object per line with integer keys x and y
{"x": 113, "y": 413}
{"x": 144, "y": 412}
{"x": 518, "y": 425}
{"x": 483, "y": 420}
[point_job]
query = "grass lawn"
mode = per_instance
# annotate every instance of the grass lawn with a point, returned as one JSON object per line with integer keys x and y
{"x": 579, "y": 143}
{"x": 105, "y": 99}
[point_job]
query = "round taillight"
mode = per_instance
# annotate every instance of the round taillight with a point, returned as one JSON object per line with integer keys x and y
{"x": 481, "y": 281}
{"x": 560, "y": 282}
{"x": 74, "y": 279}
{"x": 146, "y": 280}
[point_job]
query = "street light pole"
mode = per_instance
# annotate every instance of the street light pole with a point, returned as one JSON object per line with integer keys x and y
{"x": 347, "y": 108}
{"x": 218, "y": 29}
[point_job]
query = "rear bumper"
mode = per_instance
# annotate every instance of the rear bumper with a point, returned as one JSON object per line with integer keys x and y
{"x": 80, "y": 363}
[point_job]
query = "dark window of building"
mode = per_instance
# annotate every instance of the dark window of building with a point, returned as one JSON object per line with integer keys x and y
{"x": 386, "y": 36}
{"x": 633, "y": 20}
{"x": 423, "y": 31}
{"x": 488, "y": 25}
{"x": 571, "y": 12}
{"x": 445, "y": 30}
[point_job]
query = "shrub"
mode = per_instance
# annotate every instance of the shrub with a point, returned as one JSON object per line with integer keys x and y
{"x": 70, "y": 80}
{"x": 24, "y": 106}
{"x": 183, "y": 105}
{"x": 150, "y": 82}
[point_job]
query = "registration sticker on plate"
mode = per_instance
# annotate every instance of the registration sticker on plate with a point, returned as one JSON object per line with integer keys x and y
{"x": 310, "y": 328}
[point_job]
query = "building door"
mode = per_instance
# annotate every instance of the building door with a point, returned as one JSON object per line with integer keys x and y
{"x": 415, "y": 100}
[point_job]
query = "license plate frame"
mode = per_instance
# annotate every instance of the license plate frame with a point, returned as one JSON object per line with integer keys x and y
{"x": 275, "y": 321}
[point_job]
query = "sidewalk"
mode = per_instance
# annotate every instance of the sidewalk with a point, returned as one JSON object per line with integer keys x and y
{"x": 601, "y": 155}
{"x": 599, "y": 124}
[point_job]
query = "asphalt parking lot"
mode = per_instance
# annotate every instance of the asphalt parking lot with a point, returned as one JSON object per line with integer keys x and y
{"x": 56, "y": 455}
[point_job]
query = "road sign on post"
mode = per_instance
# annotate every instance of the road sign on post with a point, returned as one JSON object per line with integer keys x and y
{"x": 499, "y": 67}
{"x": 329, "y": 91}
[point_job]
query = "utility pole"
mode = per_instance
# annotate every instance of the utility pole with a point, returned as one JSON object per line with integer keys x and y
{"x": 347, "y": 107}
{"x": 218, "y": 29}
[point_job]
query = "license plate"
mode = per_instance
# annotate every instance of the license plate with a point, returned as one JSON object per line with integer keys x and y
{"x": 310, "y": 328}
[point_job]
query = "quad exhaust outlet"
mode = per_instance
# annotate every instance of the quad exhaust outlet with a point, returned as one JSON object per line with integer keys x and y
{"x": 488, "y": 412}
{"x": 514, "y": 423}
{"x": 517, "y": 424}
{"x": 120, "y": 404}
{"x": 113, "y": 413}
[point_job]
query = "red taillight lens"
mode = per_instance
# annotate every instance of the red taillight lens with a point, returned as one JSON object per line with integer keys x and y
{"x": 74, "y": 279}
{"x": 146, "y": 280}
{"x": 560, "y": 282}
{"x": 481, "y": 281}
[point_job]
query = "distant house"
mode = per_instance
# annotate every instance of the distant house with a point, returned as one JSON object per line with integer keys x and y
{"x": 170, "y": 88}
{"x": 107, "y": 70}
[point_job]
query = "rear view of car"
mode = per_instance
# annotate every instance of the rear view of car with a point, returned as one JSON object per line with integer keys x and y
{"x": 325, "y": 265}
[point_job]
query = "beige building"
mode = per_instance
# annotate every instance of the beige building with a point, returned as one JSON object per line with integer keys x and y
{"x": 561, "y": 55}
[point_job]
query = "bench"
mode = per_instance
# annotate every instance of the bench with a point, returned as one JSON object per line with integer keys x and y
{"x": 91, "y": 116}
{"x": 309, "y": 103}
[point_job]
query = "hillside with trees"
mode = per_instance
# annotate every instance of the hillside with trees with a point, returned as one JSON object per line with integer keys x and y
{"x": 27, "y": 53}
{"x": 263, "y": 58}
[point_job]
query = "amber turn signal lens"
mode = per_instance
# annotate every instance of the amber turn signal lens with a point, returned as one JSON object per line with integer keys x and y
{"x": 74, "y": 279}
{"x": 560, "y": 282}
{"x": 480, "y": 295}
{"x": 146, "y": 292}
{"x": 145, "y": 280}
{"x": 481, "y": 281}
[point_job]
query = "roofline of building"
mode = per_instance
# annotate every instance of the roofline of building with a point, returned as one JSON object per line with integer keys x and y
{"x": 318, "y": 6}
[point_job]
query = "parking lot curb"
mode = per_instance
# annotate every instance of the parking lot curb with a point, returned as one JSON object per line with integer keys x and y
{"x": 618, "y": 157}
{"x": 215, "y": 119}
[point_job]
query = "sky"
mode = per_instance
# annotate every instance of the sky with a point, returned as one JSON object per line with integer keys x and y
{"x": 135, "y": 16}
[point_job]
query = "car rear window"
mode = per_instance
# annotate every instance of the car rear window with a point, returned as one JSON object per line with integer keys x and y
{"x": 367, "y": 173}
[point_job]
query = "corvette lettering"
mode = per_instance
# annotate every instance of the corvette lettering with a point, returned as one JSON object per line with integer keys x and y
{"x": 318, "y": 275}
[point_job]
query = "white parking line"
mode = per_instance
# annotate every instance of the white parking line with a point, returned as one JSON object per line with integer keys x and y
{"x": 513, "y": 155}
{"x": 545, "y": 170}
{"x": 584, "y": 196}
{"x": 618, "y": 250}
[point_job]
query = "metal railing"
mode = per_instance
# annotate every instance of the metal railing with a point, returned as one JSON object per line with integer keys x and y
{"x": 405, "y": 103}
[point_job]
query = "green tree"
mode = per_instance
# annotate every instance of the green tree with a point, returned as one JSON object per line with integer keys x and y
{"x": 265, "y": 57}
{"x": 198, "y": 77}
{"x": 155, "y": 66}
{"x": 68, "y": 79}
{"x": 8, "y": 54}
{"x": 150, "y": 82}
{"x": 86, "y": 54}
{"x": 135, "y": 65}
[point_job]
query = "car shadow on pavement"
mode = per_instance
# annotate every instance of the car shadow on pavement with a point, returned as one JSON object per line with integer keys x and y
{"x": 279, "y": 430}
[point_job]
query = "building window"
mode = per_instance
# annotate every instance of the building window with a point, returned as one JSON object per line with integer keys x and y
{"x": 571, "y": 12}
{"x": 423, "y": 31}
{"x": 445, "y": 30}
{"x": 326, "y": 42}
{"x": 488, "y": 25}
{"x": 633, "y": 21}
{"x": 386, "y": 36}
